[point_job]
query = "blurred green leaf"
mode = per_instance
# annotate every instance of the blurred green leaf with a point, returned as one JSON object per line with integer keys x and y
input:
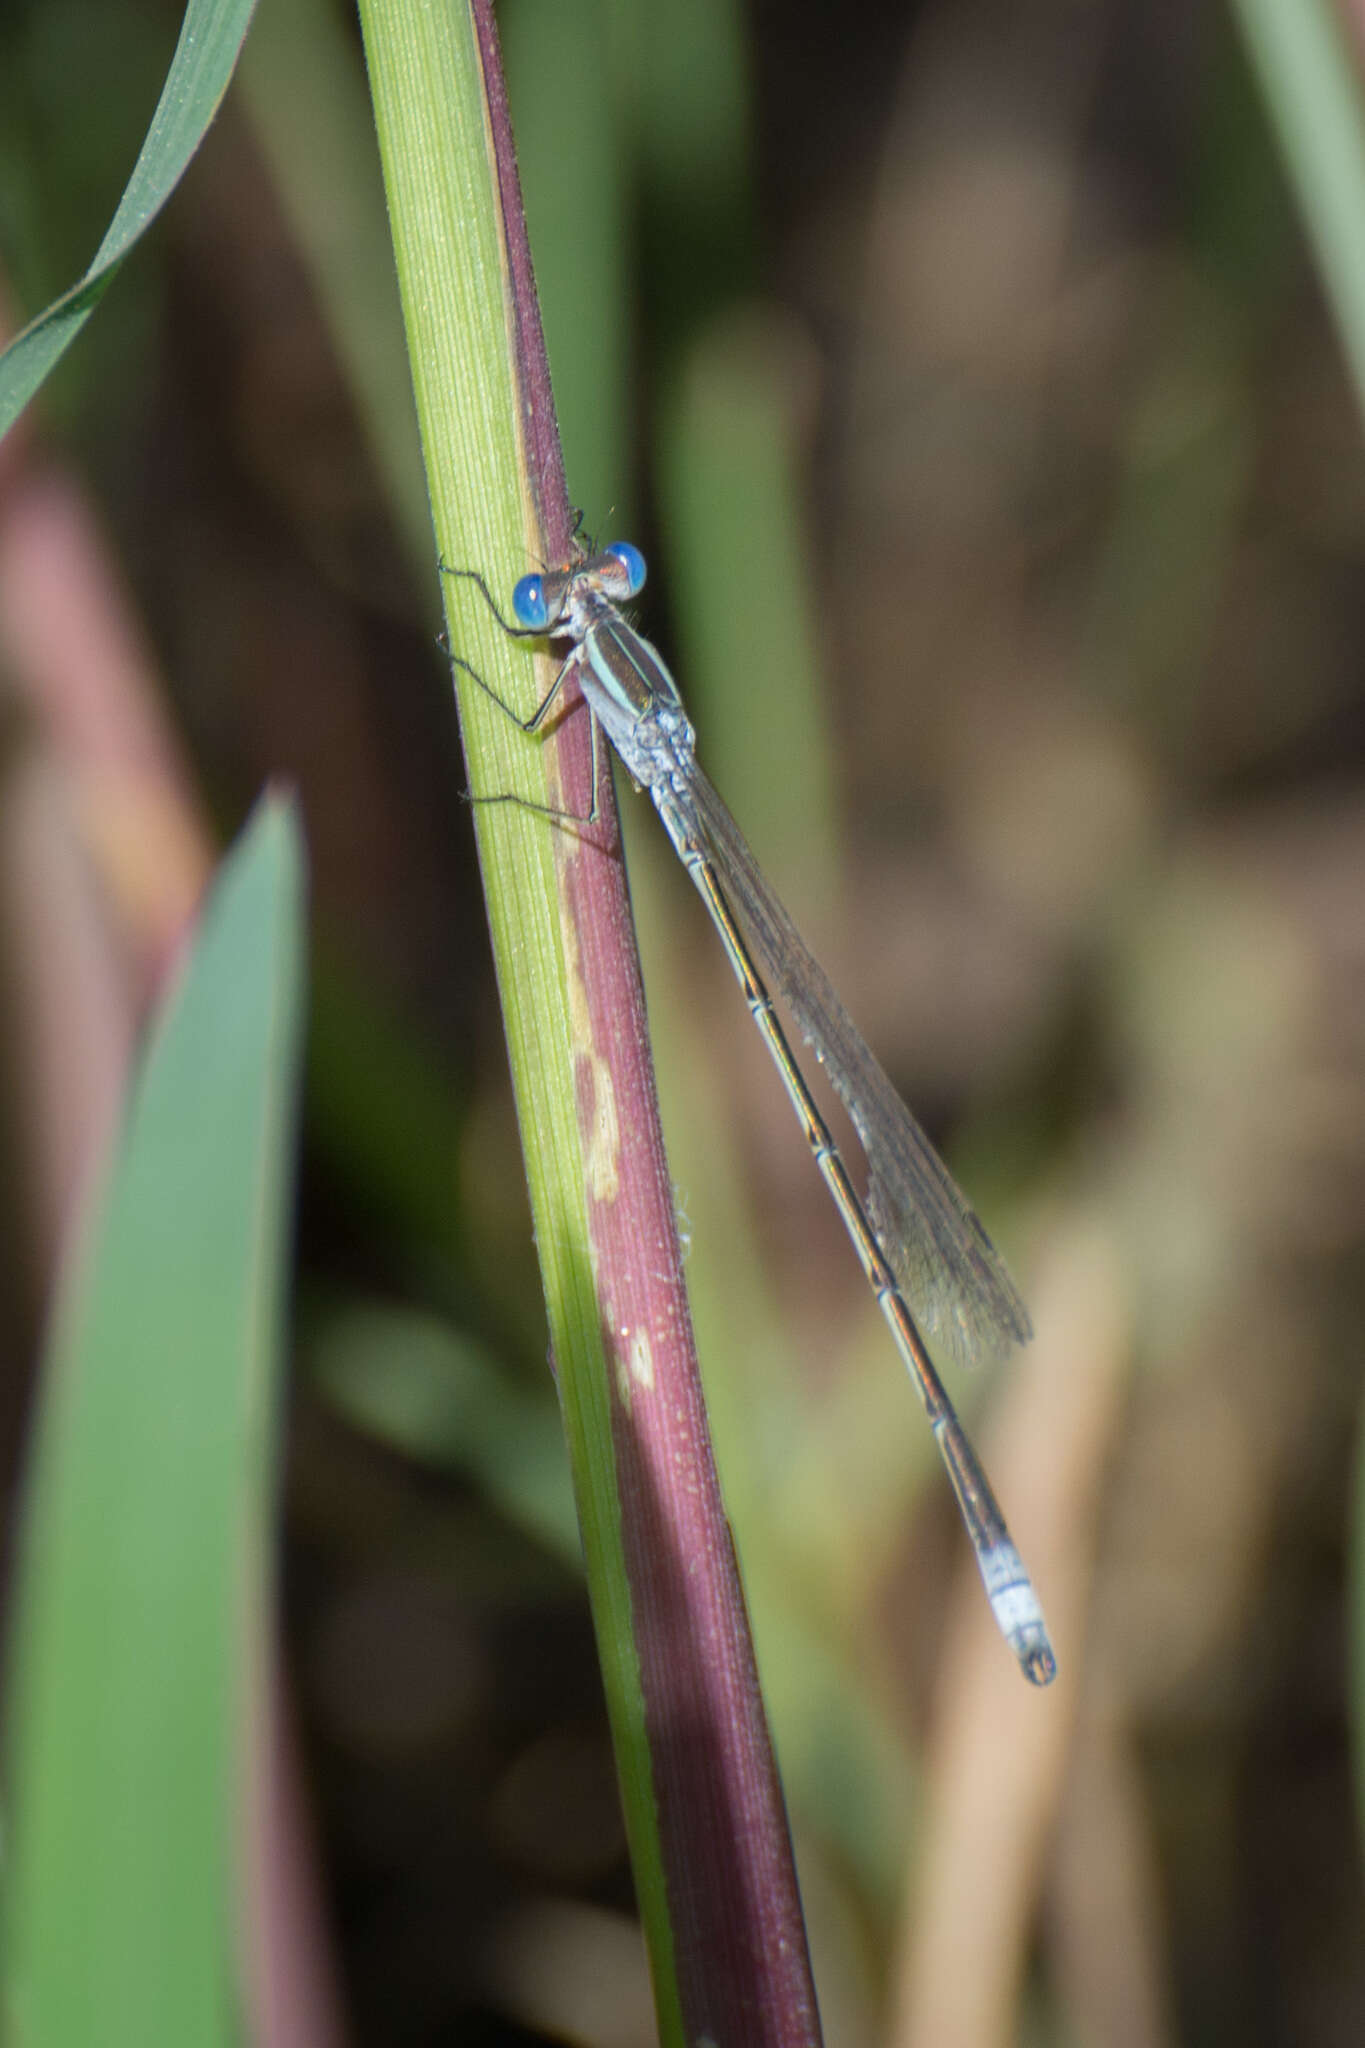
{"x": 303, "y": 89}
{"x": 438, "y": 1396}
{"x": 1312, "y": 90}
{"x": 144, "y": 1585}
{"x": 211, "y": 35}
{"x": 571, "y": 172}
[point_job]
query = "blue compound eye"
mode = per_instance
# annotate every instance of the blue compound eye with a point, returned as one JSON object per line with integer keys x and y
{"x": 528, "y": 603}
{"x": 632, "y": 561}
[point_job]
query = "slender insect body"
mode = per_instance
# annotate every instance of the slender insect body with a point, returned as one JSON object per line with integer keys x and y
{"x": 914, "y": 1232}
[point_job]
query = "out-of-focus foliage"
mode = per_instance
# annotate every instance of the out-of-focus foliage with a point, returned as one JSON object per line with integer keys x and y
{"x": 146, "y": 1557}
{"x": 211, "y": 35}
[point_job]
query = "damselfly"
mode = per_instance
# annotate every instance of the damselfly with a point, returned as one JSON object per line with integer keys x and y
{"x": 918, "y": 1238}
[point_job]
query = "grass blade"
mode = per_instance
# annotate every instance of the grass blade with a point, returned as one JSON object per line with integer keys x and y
{"x": 143, "y": 1594}
{"x": 211, "y": 35}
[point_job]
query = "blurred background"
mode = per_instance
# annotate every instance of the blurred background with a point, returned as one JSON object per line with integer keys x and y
{"x": 963, "y": 371}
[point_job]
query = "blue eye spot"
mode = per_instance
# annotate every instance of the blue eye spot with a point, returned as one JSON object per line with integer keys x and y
{"x": 632, "y": 561}
{"x": 528, "y": 603}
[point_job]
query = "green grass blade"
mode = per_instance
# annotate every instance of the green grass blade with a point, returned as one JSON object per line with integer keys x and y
{"x": 1312, "y": 90}
{"x": 211, "y": 35}
{"x": 144, "y": 1588}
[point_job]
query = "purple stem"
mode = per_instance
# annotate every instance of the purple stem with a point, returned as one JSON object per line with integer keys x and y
{"x": 739, "y": 1943}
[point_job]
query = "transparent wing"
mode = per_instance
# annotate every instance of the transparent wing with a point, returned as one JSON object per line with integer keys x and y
{"x": 949, "y": 1271}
